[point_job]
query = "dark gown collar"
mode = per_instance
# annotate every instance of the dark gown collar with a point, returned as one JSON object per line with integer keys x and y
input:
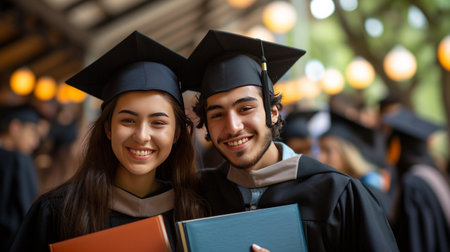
{"x": 279, "y": 172}
{"x": 129, "y": 204}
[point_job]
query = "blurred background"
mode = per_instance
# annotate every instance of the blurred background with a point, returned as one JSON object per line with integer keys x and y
{"x": 359, "y": 52}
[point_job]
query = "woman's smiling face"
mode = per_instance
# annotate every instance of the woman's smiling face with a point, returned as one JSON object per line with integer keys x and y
{"x": 142, "y": 131}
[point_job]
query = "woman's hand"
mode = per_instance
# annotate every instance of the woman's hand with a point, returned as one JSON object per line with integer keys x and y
{"x": 256, "y": 248}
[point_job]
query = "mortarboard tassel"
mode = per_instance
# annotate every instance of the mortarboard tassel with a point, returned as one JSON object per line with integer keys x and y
{"x": 265, "y": 88}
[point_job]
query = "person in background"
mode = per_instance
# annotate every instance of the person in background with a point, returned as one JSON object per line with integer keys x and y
{"x": 346, "y": 146}
{"x": 139, "y": 158}
{"x": 19, "y": 186}
{"x": 421, "y": 220}
{"x": 350, "y": 147}
{"x": 235, "y": 76}
{"x": 295, "y": 132}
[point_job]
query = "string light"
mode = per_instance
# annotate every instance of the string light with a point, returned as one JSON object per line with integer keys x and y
{"x": 279, "y": 16}
{"x": 45, "y": 88}
{"x": 444, "y": 53}
{"x": 240, "y": 4}
{"x": 332, "y": 81}
{"x": 360, "y": 73}
{"x": 400, "y": 64}
{"x": 22, "y": 81}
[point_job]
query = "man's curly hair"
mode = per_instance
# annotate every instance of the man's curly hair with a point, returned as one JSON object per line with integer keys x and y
{"x": 275, "y": 100}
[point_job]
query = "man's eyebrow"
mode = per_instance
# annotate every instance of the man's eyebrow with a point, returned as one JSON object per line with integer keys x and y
{"x": 213, "y": 107}
{"x": 126, "y": 111}
{"x": 241, "y": 100}
{"x": 244, "y": 99}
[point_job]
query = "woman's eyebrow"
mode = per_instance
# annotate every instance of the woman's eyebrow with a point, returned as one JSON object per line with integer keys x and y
{"x": 126, "y": 111}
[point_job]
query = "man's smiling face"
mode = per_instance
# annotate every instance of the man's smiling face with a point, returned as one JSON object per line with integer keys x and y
{"x": 237, "y": 127}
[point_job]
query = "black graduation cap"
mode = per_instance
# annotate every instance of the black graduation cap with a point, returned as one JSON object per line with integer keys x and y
{"x": 413, "y": 132}
{"x": 223, "y": 61}
{"x": 349, "y": 130}
{"x": 296, "y": 124}
{"x": 365, "y": 139}
{"x": 24, "y": 113}
{"x": 407, "y": 123}
{"x": 136, "y": 63}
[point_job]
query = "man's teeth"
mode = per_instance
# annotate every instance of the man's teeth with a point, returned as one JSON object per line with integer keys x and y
{"x": 140, "y": 152}
{"x": 239, "y": 142}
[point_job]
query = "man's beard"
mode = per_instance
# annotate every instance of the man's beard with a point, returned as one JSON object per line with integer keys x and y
{"x": 267, "y": 141}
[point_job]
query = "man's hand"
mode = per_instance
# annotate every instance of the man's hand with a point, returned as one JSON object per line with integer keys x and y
{"x": 256, "y": 248}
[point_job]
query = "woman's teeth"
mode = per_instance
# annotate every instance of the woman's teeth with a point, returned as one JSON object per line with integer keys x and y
{"x": 140, "y": 152}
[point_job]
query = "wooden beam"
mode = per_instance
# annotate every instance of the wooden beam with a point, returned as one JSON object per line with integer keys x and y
{"x": 22, "y": 50}
{"x": 46, "y": 63}
{"x": 65, "y": 71}
{"x": 7, "y": 31}
{"x": 56, "y": 19}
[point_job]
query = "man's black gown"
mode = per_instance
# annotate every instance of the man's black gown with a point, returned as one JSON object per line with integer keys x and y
{"x": 338, "y": 213}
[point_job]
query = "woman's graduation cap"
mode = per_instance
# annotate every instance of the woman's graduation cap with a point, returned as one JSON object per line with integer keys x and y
{"x": 223, "y": 61}
{"x": 361, "y": 136}
{"x": 136, "y": 63}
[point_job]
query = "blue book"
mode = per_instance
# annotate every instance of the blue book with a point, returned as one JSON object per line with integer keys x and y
{"x": 275, "y": 228}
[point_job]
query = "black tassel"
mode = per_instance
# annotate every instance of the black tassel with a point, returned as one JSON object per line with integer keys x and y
{"x": 266, "y": 88}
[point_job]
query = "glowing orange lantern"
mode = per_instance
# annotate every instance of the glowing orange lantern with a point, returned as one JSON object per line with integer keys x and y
{"x": 45, "y": 88}
{"x": 75, "y": 94}
{"x": 444, "y": 53}
{"x": 260, "y": 32}
{"x": 22, "y": 81}
{"x": 289, "y": 90}
{"x": 63, "y": 95}
{"x": 240, "y": 4}
{"x": 360, "y": 73}
{"x": 308, "y": 88}
{"x": 332, "y": 81}
{"x": 400, "y": 64}
{"x": 279, "y": 16}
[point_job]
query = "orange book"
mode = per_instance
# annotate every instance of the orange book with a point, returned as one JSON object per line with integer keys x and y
{"x": 144, "y": 235}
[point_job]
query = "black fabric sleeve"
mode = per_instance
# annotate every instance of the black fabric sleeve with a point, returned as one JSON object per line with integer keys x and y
{"x": 39, "y": 227}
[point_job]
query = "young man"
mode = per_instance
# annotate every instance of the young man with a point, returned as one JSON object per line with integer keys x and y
{"x": 242, "y": 117}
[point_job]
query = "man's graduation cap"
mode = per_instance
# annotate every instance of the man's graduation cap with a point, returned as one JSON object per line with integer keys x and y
{"x": 296, "y": 124}
{"x": 136, "y": 63}
{"x": 223, "y": 61}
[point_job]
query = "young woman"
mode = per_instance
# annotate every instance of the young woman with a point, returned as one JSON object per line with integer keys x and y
{"x": 347, "y": 146}
{"x": 138, "y": 159}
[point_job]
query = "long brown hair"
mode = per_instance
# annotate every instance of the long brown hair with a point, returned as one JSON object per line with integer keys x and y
{"x": 88, "y": 194}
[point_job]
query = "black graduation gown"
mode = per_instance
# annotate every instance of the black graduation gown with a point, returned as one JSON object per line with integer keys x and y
{"x": 338, "y": 213}
{"x": 18, "y": 190}
{"x": 421, "y": 224}
{"x": 41, "y": 225}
